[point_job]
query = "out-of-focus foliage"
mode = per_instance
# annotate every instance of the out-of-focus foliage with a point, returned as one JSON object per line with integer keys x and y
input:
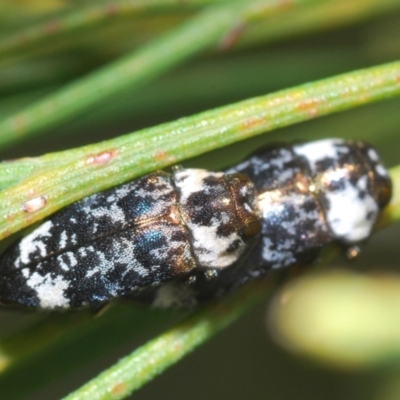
{"x": 361, "y": 327}
{"x": 75, "y": 73}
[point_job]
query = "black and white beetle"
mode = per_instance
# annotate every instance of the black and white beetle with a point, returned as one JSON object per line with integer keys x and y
{"x": 191, "y": 235}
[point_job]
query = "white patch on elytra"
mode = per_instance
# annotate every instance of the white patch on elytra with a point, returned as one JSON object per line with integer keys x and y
{"x": 103, "y": 265}
{"x": 190, "y": 181}
{"x": 67, "y": 260}
{"x": 72, "y": 260}
{"x": 277, "y": 257}
{"x": 123, "y": 191}
{"x": 277, "y": 165}
{"x": 74, "y": 239}
{"x": 49, "y": 291}
{"x": 33, "y": 242}
{"x": 350, "y": 217}
{"x": 266, "y": 199}
{"x": 63, "y": 265}
{"x": 82, "y": 252}
{"x": 211, "y": 249}
{"x": 258, "y": 164}
{"x": 319, "y": 150}
{"x": 114, "y": 212}
{"x": 124, "y": 253}
{"x": 91, "y": 272}
{"x": 273, "y": 205}
{"x": 286, "y": 175}
{"x": 285, "y": 156}
{"x": 63, "y": 240}
{"x": 94, "y": 227}
{"x": 25, "y": 273}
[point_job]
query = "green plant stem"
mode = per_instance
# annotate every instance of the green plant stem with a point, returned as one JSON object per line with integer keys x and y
{"x": 85, "y": 170}
{"x": 62, "y": 336}
{"x": 320, "y": 16}
{"x": 84, "y": 16}
{"x": 289, "y": 20}
{"x": 149, "y": 360}
{"x": 40, "y": 74}
{"x": 200, "y": 32}
{"x": 97, "y": 12}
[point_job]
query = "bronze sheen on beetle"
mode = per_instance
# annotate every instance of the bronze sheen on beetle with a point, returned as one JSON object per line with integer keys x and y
{"x": 180, "y": 238}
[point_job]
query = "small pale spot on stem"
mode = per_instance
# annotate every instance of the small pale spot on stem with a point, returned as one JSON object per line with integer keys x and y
{"x": 34, "y": 204}
{"x": 101, "y": 158}
{"x": 310, "y": 106}
{"x": 160, "y": 155}
{"x": 118, "y": 389}
{"x": 252, "y": 123}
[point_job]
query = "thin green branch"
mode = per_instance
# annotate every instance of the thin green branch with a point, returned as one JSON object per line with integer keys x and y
{"x": 200, "y": 32}
{"x": 40, "y": 74}
{"x": 289, "y": 20}
{"x": 97, "y": 12}
{"x": 148, "y": 361}
{"x": 35, "y": 338}
{"x": 83, "y": 171}
{"x": 63, "y": 336}
{"x": 339, "y": 11}
{"x": 319, "y": 17}
{"x": 87, "y": 15}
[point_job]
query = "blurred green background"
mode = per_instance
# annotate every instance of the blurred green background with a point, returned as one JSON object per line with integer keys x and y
{"x": 301, "y": 45}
